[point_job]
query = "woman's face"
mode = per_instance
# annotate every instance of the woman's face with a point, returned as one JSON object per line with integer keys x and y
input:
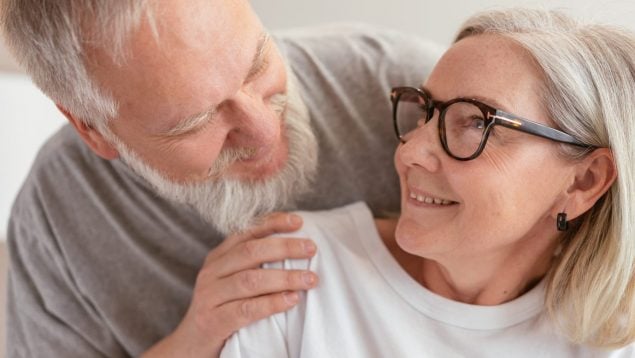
{"x": 505, "y": 199}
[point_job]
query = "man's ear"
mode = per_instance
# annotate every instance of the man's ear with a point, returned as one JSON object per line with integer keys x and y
{"x": 594, "y": 176}
{"x": 93, "y": 139}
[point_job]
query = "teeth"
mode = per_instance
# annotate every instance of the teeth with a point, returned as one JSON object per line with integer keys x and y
{"x": 428, "y": 200}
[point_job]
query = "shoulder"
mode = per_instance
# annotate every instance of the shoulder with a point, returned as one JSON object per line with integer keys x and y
{"x": 57, "y": 162}
{"x": 345, "y": 219}
{"x": 361, "y": 50}
{"x": 59, "y": 169}
{"x": 336, "y": 232}
{"x": 333, "y": 40}
{"x": 68, "y": 184}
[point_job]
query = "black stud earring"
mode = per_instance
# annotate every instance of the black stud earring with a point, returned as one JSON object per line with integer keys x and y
{"x": 561, "y": 222}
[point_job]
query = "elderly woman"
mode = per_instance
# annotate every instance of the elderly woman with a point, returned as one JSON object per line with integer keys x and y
{"x": 515, "y": 237}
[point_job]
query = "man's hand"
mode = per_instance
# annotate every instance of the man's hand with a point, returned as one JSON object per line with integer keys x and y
{"x": 232, "y": 290}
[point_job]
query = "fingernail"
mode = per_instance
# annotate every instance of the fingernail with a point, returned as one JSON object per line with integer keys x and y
{"x": 308, "y": 278}
{"x": 309, "y": 247}
{"x": 294, "y": 219}
{"x": 290, "y": 298}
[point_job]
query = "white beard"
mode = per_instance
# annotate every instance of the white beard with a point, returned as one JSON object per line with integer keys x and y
{"x": 231, "y": 205}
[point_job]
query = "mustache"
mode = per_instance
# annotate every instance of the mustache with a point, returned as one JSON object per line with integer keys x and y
{"x": 228, "y": 157}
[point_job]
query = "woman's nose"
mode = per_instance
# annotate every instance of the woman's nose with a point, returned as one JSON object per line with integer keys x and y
{"x": 423, "y": 147}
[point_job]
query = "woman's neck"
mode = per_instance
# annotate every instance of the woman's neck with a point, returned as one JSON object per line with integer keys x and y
{"x": 484, "y": 281}
{"x": 490, "y": 279}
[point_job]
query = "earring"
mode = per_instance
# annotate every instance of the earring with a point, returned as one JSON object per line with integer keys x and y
{"x": 561, "y": 222}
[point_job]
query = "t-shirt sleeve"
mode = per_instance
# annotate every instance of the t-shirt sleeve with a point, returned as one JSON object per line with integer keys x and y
{"x": 264, "y": 338}
{"x": 276, "y": 336}
{"x": 408, "y": 60}
{"x": 47, "y": 316}
{"x": 358, "y": 56}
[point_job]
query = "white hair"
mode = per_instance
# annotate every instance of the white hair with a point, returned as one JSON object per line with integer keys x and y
{"x": 232, "y": 205}
{"x": 50, "y": 39}
{"x": 53, "y": 41}
{"x": 589, "y": 92}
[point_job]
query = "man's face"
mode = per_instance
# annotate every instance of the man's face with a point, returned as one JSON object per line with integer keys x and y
{"x": 207, "y": 114}
{"x": 210, "y": 82}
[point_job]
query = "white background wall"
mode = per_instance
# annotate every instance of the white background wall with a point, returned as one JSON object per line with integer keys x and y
{"x": 6, "y": 63}
{"x": 27, "y": 118}
{"x": 434, "y": 19}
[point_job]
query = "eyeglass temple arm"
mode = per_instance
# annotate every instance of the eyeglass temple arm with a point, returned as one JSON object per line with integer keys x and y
{"x": 514, "y": 122}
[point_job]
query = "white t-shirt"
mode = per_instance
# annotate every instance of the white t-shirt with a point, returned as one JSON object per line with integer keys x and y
{"x": 366, "y": 306}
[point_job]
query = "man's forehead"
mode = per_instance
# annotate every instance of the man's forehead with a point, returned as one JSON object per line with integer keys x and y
{"x": 198, "y": 25}
{"x": 185, "y": 69}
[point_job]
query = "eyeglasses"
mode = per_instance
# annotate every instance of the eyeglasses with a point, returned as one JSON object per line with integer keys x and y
{"x": 464, "y": 124}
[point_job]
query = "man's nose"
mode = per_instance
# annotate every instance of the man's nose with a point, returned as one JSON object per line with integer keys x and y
{"x": 253, "y": 123}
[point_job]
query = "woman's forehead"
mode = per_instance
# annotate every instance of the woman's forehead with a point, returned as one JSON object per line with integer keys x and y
{"x": 486, "y": 66}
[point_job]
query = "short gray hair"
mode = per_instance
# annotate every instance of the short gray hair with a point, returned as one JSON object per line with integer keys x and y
{"x": 50, "y": 40}
{"x": 589, "y": 92}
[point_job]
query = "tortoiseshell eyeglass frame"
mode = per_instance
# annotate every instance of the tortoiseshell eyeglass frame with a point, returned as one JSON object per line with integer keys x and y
{"x": 491, "y": 117}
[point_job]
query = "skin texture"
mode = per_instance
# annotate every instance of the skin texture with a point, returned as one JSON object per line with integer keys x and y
{"x": 204, "y": 63}
{"x": 498, "y": 237}
{"x": 206, "y": 60}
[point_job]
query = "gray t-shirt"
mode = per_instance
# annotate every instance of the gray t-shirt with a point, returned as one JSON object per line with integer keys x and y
{"x": 102, "y": 266}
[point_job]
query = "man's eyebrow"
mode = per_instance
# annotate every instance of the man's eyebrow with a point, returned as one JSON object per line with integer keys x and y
{"x": 259, "y": 61}
{"x": 199, "y": 119}
{"x": 189, "y": 124}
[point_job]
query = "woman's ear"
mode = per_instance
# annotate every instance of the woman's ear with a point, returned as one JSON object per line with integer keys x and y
{"x": 594, "y": 175}
{"x": 93, "y": 139}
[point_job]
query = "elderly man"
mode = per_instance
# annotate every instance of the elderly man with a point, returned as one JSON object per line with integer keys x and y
{"x": 187, "y": 121}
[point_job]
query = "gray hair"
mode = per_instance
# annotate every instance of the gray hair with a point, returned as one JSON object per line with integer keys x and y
{"x": 589, "y": 92}
{"x": 50, "y": 39}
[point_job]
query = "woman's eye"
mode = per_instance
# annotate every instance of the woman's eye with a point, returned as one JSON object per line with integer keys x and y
{"x": 478, "y": 123}
{"x": 475, "y": 122}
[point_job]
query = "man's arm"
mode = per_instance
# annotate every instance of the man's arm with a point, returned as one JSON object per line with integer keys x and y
{"x": 232, "y": 290}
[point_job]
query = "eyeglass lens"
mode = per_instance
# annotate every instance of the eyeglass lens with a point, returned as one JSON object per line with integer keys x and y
{"x": 463, "y": 121}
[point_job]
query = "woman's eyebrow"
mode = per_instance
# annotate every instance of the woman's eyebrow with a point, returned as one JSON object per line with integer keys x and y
{"x": 487, "y": 100}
